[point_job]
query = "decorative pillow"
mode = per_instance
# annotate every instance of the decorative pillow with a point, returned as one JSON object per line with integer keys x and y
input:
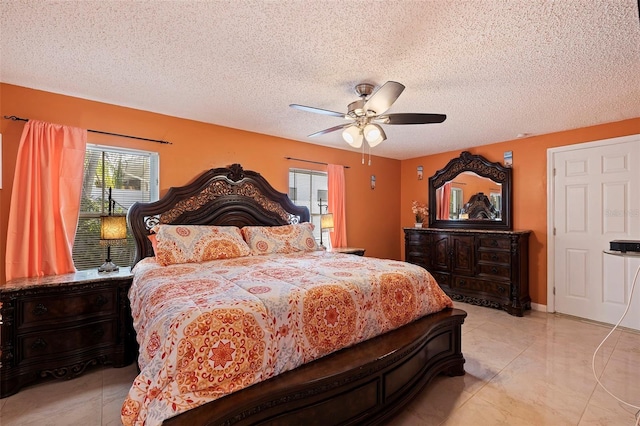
{"x": 198, "y": 243}
{"x": 154, "y": 242}
{"x": 280, "y": 239}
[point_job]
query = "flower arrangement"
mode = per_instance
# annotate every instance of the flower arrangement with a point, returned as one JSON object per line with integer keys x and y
{"x": 420, "y": 210}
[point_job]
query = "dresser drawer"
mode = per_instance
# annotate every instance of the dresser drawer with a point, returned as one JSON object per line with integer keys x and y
{"x": 441, "y": 278}
{"x": 418, "y": 259}
{"x": 494, "y": 256}
{"x": 494, "y": 270}
{"x": 58, "y": 343}
{"x": 494, "y": 242}
{"x": 416, "y": 238}
{"x": 487, "y": 287}
{"x": 37, "y": 311}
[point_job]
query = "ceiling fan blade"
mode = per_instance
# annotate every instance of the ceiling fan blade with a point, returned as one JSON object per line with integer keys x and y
{"x": 329, "y": 130}
{"x": 411, "y": 118}
{"x": 384, "y": 97}
{"x": 317, "y": 110}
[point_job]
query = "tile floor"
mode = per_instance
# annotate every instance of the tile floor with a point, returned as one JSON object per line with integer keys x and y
{"x": 534, "y": 370}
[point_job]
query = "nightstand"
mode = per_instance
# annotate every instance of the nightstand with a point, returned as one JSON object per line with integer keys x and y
{"x": 349, "y": 250}
{"x": 58, "y": 326}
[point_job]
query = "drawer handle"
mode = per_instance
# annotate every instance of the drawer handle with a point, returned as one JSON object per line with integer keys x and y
{"x": 494, "y": 257}
{"x": 39, "y": 344}
{"x": 463, "y": 283}
{"x": 101, "y": 300}
{"x": 494, "y": 243}
{"x": 40, "y": 309}
{"x": 494, "y": 270}
{"x": 501, "y": 290}
{"x": 98, "y": 332}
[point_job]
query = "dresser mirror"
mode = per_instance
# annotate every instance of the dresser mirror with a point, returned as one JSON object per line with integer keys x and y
{"x": 470, "y": 192}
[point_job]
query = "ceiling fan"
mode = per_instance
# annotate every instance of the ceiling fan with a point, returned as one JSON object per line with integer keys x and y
{"x": 367, "y": 113}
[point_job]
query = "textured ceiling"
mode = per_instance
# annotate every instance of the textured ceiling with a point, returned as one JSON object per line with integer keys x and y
{"x": 496, "y": 68}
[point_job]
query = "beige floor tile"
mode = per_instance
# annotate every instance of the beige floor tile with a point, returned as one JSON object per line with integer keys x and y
{"x": 528, "y": 391}
{"x": 577, "y": 378}
{"x": 436, "y": 402}
{"x": 405, "y": 418}
{"x": 533, "y": 400}
{"x": 560, "y": 363}
{"x": 505, "y": 412}
{"x": 582, "y": 334}
{"x": 603, "y": 406}
{"x": 628, "y": 347}
{"x": 477, "y": 373}
{"x": 508, "y": 331}
{"x": 69, "y": 402}
{"x": 598, "y": 416}
{"x": 621, "y": 377}
{"x": 117, "y": 382}
{"x": 481, "y": 346}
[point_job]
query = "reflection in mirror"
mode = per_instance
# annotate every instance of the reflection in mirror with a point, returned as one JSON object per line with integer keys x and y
{"x": 479, "y": 208}
{"x": 452, "y": 193}
{"x": 456, "y": 203}
{"x": 470, "y": 192}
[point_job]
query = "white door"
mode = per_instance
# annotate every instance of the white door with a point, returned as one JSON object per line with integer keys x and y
{"x": 595, "y": 198}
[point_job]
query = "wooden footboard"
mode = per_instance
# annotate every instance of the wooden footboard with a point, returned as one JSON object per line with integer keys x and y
{"x": 366, "y": 383}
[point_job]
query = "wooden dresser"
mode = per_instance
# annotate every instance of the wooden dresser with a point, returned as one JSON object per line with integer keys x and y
{"x": 482, "y": 267}
{"x": 58, "y": 326}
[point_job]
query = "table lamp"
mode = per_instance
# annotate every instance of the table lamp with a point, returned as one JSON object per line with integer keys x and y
{"x": 326, "y": 222}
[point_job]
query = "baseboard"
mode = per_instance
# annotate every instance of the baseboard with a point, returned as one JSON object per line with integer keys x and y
{"x": 538, "y": 307}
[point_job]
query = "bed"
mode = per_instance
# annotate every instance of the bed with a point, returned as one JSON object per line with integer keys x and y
{"x": 256, "y": 325}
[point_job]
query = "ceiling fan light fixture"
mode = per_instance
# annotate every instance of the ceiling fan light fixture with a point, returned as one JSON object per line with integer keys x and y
{"x": 374, "y": 134}
{"x": 353, "y": 136}
{"x": 368, "y": 113}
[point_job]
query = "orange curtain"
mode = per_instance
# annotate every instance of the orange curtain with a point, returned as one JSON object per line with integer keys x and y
{"x": 45, "y": 200}
{"x": 443, "y": 195}
{"x": 336, "y": 205}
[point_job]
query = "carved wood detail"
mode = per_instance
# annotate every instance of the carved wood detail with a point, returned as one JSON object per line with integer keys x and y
{"x": 431, "y": 343}
{"x": 479, "y": 165}
{"x": 486, "y": 268}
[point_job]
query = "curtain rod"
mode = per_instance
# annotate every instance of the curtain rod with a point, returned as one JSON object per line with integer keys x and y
{"x": 314, "y": 162}
{"x": 14, "y": 118}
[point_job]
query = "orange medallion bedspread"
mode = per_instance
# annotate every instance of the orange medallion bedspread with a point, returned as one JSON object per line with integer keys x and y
{"x": 208, "y": 329}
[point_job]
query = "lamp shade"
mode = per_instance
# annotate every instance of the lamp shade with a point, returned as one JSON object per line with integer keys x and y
{"x": 374, "y": 134}
{"x": 353, "y": 136}
{"x": 113, "y": 227}
{"x": 326, "y": 221}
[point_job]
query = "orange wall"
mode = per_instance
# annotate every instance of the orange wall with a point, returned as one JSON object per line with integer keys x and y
{"x": 529, "y": 185}
{"x": 197, "y": 147}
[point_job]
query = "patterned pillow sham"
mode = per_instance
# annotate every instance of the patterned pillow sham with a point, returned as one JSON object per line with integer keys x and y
{"x": 198, "y": 243}
{"x": 280, "y": 239}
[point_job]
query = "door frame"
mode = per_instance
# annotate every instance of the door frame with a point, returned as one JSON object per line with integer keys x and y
{"x": 551, "y": 207}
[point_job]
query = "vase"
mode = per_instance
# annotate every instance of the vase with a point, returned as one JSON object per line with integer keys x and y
{"x": 417, "y": 225}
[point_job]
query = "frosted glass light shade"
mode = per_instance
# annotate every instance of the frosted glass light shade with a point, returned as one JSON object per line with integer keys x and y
{"x": 353, "y": 136}
{"x": 374, "y": 134}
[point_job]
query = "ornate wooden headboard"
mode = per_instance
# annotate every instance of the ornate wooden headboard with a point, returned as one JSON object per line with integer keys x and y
{"x": 224, "y": 196}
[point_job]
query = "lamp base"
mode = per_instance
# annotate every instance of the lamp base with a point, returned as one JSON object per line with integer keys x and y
{"x": 108, "y": 266}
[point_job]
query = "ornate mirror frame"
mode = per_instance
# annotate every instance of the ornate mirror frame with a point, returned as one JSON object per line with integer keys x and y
{"x": 479, "y": 165}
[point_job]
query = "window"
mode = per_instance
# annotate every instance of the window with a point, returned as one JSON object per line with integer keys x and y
{"x": 133, "y": 176}
{"x": 456, "y": 202}
{"x": 309, "y": 188}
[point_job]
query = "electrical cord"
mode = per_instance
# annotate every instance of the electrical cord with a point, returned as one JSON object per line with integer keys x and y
{"x": 593, "y": 360}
